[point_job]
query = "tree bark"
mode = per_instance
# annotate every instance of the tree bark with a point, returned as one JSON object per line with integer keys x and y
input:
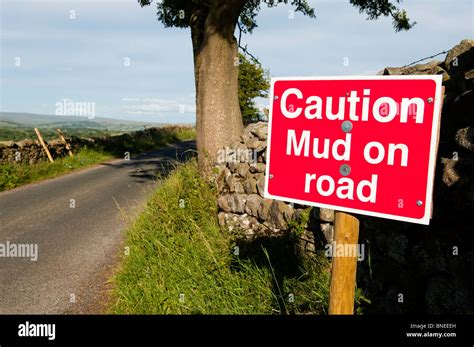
{"x": 218, "y": 116}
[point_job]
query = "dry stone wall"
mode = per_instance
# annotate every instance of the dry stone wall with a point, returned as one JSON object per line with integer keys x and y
{"x": 31, "y": 151}
{"x": 241, "y": 178}
{"x": 432, "y": 267}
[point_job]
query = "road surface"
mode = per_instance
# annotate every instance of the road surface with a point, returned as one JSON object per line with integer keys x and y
{"x": 77, "y": 222}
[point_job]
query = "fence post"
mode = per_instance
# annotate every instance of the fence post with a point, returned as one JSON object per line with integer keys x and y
{"x": 63, "y": 139}
{"x": 45, "y": 147}
{"x": 343, "y": 278}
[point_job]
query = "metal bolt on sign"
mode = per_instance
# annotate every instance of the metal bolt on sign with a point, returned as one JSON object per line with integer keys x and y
{"x": 345, "y": 169}
{"x": 275, "y": 97}
{"x": 419, "y": 203}
{"x": 270, "y": 176}
{"x": 430, "y": 100}
{"x": 346, "y": 126}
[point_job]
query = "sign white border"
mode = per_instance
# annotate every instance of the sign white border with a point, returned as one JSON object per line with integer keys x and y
{"x": 433, "y": 145}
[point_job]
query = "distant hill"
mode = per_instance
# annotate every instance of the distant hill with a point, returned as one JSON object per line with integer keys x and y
{"x": 13, "y": 119}
{"x": 18, "y": 126}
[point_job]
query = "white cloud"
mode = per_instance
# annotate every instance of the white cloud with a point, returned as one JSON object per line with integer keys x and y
{"x": 152, "y": 106}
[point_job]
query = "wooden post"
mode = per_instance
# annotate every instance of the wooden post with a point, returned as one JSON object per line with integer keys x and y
{"x": 63, "y": 139}
{"x": 45, "y": 147}
{"x": 343, "y": 278}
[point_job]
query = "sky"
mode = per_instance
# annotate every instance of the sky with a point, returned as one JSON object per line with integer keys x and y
{"x": 117, "y": 56}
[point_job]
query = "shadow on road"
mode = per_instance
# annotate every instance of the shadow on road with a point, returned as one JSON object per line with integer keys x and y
{"x": 155, "y": 165}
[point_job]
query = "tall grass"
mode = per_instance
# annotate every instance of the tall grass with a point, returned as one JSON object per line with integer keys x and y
{"x": 178, "y": 261}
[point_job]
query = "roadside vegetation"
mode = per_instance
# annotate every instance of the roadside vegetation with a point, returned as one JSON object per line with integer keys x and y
{"x": 254, "y": 82}
{"x": 178, "y": 260}
{"x": 148, "y": 140}
{"x": 13, "y": 175}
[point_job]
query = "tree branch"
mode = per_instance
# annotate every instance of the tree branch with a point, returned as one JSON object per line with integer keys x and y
{"x": 244, "y": 49}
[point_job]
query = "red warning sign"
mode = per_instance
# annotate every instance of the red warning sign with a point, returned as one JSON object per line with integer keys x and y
{"x": 365, "y": 145}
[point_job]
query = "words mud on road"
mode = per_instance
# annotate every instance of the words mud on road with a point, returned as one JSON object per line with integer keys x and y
{"x": 357, "y": 144}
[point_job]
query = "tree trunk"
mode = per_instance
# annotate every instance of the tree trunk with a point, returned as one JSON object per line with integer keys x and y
{"x": 218, "y": 117}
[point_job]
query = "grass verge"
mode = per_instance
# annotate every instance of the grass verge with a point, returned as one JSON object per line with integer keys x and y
{"x": 179, "y": 261}
{"x": 14, "y": 175}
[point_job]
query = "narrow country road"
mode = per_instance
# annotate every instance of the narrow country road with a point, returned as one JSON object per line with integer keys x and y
{"x": 77, "y": 246}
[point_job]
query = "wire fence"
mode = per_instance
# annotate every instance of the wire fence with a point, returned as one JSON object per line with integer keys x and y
{"x": 430, "y": 57}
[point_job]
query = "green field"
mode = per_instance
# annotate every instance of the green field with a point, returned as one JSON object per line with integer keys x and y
{"x": 22, "y": 133}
